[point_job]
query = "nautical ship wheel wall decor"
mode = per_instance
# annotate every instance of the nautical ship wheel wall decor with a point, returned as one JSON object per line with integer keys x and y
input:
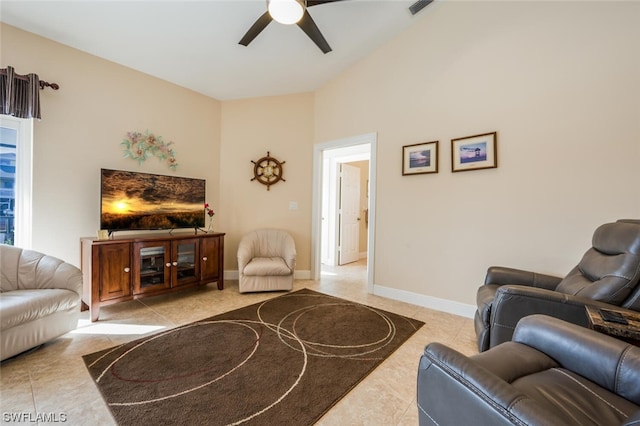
{"x": 268, "y": 170}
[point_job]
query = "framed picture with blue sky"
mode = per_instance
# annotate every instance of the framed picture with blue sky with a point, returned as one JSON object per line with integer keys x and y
{"x": 420, "y": 158}
{"x": 474, "y": 152}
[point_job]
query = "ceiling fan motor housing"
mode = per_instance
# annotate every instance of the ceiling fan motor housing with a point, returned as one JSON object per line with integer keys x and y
{"x": 286, "y": 11}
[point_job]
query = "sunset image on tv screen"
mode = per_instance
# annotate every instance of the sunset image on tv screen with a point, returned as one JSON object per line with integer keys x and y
{"x": 132, "y": 200}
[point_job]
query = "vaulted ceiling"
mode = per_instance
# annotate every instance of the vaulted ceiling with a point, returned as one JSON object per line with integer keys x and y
{"x": 195, "y": 43}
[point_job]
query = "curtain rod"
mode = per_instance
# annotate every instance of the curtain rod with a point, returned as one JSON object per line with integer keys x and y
{"x": 43, "y": 84}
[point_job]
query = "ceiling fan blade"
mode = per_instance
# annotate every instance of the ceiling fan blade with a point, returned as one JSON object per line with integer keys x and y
{"x": 418, "y": 6}
{"x": 311, "y": 29}
{"x": 317, "y": 2}
{"x": 257, "y": 27}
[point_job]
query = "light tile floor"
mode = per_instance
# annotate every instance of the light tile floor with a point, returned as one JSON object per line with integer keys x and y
{"x": 53, "y": 380}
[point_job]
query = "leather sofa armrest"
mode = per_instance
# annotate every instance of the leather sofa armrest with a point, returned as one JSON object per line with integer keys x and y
{"x": 22, "y": 269}
{"x": 68, "y": 277}
{"x": 445, "y": 375}
{"x": 635, "y": 221}
{"x": 633, "y": 420}
{"x": 484, "y": 299}
{"x": 609, "y": 362}
{"x": 504, "y": 276}
{"x": 514, "y": 302}
{"x": 39, "y": 271}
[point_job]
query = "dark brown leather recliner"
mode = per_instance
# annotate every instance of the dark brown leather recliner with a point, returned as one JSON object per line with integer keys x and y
{"x": 608, "y": 274}
{"x": 553, "y": 373}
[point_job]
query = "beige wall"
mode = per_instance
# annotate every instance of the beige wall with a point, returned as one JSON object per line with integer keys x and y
{"x": 282, "y": 125}
{"x": 557, "y": 80}
{"x": 99, "y": 101}
{"x": 559, "y": 83}
{"x": 83, "y": 124}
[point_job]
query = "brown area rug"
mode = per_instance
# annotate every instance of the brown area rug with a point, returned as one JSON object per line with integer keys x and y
{"x": 286, "y": 360}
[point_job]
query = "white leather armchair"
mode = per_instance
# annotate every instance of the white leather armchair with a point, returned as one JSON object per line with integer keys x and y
{"x": 39, "y": 299}
{"x": 266, "y": 261}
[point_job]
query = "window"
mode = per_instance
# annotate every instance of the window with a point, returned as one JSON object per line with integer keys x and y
{"x": 15, "y": 180}
{"x": 8, "y": 137}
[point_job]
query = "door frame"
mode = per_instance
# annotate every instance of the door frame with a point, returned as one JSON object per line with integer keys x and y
{"x": 332, "y": 161}
{"x": 316, "y": 204}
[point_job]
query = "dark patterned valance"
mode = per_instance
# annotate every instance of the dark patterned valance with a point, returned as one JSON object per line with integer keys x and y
{"x": 19, "y": 94}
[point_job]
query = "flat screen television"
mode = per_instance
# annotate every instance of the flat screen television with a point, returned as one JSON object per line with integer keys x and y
{"x": 144, "y": 201}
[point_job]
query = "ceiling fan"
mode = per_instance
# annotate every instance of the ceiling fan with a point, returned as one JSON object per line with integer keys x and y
{"x": 419, "y": 5}
{"x": 292, "y": 12}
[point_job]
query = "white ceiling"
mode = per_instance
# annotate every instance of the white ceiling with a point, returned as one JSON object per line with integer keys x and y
{"x": 195, "y": 43}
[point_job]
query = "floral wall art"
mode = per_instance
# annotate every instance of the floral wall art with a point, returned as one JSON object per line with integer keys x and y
{"x": 139, "y": 147}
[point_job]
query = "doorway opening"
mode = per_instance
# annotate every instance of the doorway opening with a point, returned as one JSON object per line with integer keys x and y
{"x": 344, "y": 207}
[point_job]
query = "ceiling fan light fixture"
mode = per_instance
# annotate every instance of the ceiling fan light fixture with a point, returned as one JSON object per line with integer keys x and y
{"x": 286, "y": 11}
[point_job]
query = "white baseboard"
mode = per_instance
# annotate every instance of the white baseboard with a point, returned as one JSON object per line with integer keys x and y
{"x": 430, "y": 302}
{"x": 302, "y": 275}
{"x": 297, "y": 275}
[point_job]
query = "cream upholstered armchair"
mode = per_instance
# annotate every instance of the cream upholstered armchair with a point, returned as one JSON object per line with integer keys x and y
{"x": 266, "y": 261}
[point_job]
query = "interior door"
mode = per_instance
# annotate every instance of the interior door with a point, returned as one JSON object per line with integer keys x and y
{"x": 349, "y": 214}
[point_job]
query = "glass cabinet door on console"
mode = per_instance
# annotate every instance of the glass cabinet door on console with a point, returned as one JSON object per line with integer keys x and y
{"x": 185, "y": 268}
{"x": 152, "y": 266}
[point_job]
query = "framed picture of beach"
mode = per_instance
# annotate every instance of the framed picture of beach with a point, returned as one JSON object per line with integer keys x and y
{"x": 420, "y": 158}
{"x": 474, "y": 152}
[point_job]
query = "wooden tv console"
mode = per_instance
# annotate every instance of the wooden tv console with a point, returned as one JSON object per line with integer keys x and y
{"x": 131, "y": 267}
